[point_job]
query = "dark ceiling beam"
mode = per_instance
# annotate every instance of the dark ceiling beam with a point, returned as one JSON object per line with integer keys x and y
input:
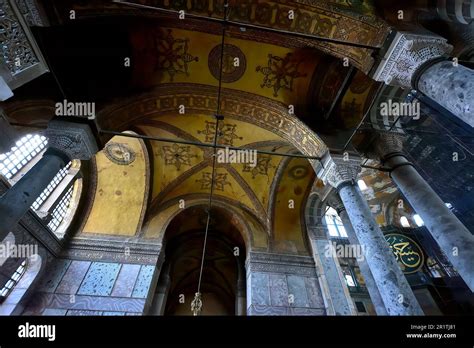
{"x": 342, "y": 91}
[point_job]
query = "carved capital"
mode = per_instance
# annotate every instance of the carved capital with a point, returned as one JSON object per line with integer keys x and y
{"x": 20, "y": 56}
{"x": 33, "y": 12}
{"x": 406, "y": 54}
{"x": 339, "y": 170}
{"x": 335, "y": 202}
{"x": 388, "y": 143}
{"x": 73, "y": 139}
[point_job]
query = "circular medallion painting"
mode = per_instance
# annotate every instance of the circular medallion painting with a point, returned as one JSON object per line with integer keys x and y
{"x": 298, "y": 172}
{"x": 233, "y": 66}
{"x": 119, "y": 153}
{"x": 407, "y": 252}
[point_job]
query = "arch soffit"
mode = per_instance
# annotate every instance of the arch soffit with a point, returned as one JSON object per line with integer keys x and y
{"x": 201, "y": 99}
{"x": 250, "y": 226}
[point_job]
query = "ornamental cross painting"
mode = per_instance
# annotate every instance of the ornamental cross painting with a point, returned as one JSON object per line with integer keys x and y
{"x": 263, "y": 164}
{"x": 177, "y": 155}
{"x": 172, "y": 54}
{"x": 280, "y": 73}
{"x": 226, "y": 133}
{"x": 220, "y": 181}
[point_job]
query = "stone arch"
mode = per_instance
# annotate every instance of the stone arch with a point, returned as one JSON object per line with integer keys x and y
{"x": 181, "y": 252}
{"x": 253, "y": 229}
{"x": 314, "y": 214}
{"x": 247, "y": 107}
{"x": 345, "y": 23}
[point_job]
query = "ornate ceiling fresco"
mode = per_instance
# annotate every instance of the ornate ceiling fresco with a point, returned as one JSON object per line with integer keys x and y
{"x": 270, "y": 84}
{"x": 164, "y": 55}
{"x": 117, "y": 200}
{"x": 345, "y": 21}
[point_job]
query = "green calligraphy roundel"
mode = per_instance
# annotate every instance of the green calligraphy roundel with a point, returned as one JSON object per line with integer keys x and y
{"x": 407, "y": 252}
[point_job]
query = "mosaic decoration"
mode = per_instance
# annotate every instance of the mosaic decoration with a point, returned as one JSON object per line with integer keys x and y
{"x": 243, "y": 106}
{"x": 220, "y": 181}
{"x": 407, "y": 252}
{"x": 173, "y": 56}
{"x": 262, "y": 167}
{"x": 313, "y": 17}
{"x": 298, "y": 172}
{"x": 177, "y": 155}
{"x": 361, "y": 6}
{"x": 232, "y": 69}
{"x": 280, "y": 73}
{"x": 225, "y": 135}
{"x": 119, "y": 154}
{"x": 351, "y": 108}
{"x": 360, "y": 84}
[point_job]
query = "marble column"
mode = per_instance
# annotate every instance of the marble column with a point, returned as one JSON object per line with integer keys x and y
{"x": 160, "y": 298}
{"x": 336, "y": 202}
{"x": 458, "y": 11}
{"x": 334, "y": 289}
{"x": 422, "y": 62}
{"x": 398, "y": 298}
{"x": 240, "y": 292}
{"x": 452, "y": 86}
{"x": 8, "y": 135}
{"x": 66, "y": 141}
{"x": 452, "y": 236}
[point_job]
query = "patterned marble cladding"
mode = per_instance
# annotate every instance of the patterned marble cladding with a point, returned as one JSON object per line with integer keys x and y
{"x": 91, "y": 288}
{"x": 143, "y": 282}
{"x": 100, "y": 279}
{"x": 53, "y": 276}
{"x": 283, "y": 285}
{"x": 73, "y": 278}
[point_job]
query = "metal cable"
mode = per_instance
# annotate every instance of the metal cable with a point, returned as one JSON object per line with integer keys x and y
{"x": 214, "y": 155}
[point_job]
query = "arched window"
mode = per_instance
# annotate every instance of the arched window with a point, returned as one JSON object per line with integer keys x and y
{"x": 54, "y": 203}
{"x": 404, "y": 222}
{"x": 21, "y": 154}
{"x": 418, "y": 220}
{"x": 334, "y": 224}
{"x": 50, "y": 188}
{"x": 362, "y": 185}
{"x": 61, "y": 210}
{"x": 14, "y": 279}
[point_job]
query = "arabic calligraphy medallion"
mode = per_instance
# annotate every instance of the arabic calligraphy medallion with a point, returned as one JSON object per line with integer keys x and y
{"x": 407, "y": 252}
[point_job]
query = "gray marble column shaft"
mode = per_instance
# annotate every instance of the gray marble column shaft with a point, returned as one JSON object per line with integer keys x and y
{"x": 452, "y": 87}
{"x": 393, "y": 287}
{"x": 364, "y": 267}
{"x": 240, "y": 291}
{"x": 450, "y": 234}
{"x": 18, "y": 199}
{"x": 333, "y": 285}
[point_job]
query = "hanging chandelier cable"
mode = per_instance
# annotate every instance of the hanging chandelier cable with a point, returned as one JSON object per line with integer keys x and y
{"x": 196, "y": 305}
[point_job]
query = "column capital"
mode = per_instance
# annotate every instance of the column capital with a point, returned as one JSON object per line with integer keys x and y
{"x": 388, "y": 143}
{"x": 75, "y": 140}
{"x": 335, "y": 202}
{"x": 406, "y": 54}
{"x": 339, "y": 169}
